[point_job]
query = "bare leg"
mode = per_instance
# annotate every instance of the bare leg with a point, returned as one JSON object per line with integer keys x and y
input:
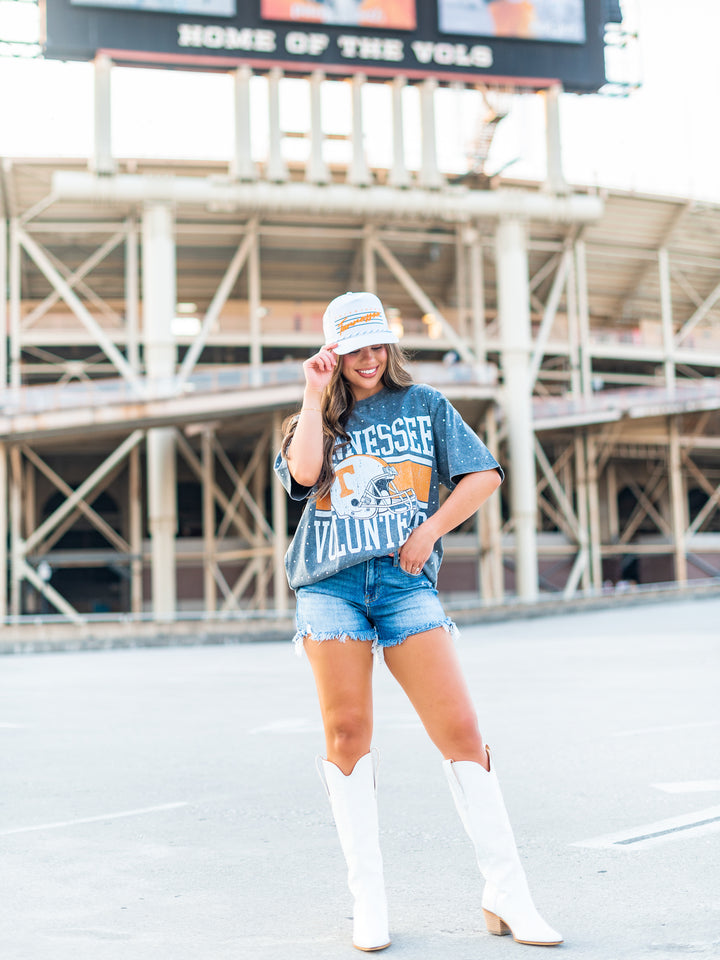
{"x": 427, "y": 668}
{"x": 343, "y": 677}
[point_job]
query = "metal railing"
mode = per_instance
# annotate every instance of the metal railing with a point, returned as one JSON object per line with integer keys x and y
{"x": 633, "y": 401}
{"x": 105, "y": 392}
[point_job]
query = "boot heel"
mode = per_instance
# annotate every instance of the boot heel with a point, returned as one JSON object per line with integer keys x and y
{"x": 495, "y": 925}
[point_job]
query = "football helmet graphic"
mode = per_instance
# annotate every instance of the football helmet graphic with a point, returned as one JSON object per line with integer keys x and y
{"x": 365, "y": 486}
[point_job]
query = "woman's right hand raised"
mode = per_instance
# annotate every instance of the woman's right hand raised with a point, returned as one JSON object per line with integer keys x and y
{"x": 318, "y": 369}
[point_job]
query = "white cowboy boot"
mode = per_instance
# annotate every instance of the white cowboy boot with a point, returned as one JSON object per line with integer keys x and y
{"x": 506, "y": 901}
{"x": 354, "y": 806}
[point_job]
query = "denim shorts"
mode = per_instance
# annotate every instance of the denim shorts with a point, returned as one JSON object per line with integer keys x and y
{"x": 375, "y": 600}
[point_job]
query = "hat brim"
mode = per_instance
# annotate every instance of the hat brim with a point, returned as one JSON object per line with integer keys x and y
{"x": 365, "y": 340}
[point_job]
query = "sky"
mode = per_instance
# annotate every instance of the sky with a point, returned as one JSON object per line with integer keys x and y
{"x": 661, "y": 138}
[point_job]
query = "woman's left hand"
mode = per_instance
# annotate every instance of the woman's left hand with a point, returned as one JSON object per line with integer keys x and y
{"x": 414, "y": 553}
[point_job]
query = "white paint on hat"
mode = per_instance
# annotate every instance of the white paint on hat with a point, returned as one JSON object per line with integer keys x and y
{"x": 356, "y": 320}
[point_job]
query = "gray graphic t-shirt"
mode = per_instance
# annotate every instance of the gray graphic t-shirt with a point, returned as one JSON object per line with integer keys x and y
{"x": 403, "y": 445}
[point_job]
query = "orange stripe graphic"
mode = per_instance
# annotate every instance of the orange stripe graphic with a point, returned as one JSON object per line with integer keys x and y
{"x": 415, "y": 475}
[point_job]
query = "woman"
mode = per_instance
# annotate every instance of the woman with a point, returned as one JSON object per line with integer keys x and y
{"x": 369, "y": 450}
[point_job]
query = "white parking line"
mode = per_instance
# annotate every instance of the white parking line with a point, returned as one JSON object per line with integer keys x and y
{"x": 689, "y": 786}
{"x": 106, "y": 816}
{"x": 650, "y": 834}
{"x": 667, "y": 729}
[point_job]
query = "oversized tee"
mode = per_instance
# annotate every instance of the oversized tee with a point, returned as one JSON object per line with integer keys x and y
{"x": 403, "y": 445}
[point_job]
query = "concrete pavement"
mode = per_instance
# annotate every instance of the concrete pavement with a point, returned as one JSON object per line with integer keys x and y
{"x": 162, "y": 804}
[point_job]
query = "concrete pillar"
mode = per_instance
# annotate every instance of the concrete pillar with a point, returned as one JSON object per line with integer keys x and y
{"x": 611, "y": 499}
{"x": 574, "y": 351}
{"x": 477, "y": 294}
{"x": 317, "y": 171}
{"x": 135, "y": 531}
{"x": 399, "y": 175}
{"x": 262, "y": 578}
{"x": 14, "y": 284}
{"x": 276, "y": 167}
{"x": 582, "y": 509}
{"x": 16, "y": 542}
{"x": 255, "y": 301}
{"x": 461, "y": 281}
{"x": 430, "y": 175}
{"x": 279, "y": 522}
{"x": 369, "y": 272}
{"x": 29, "y": 509}
{"x": 666, "y": 313}
{"x": 596, "y": 578}
{"x": 3, "y": 533}
{"x": 583, "y": 315}
{"x": 358, "y": 171}
{"x": 4, "y": 294}
{"x": 159, "y": 298}
{"x": 555, "y": 178}
{"x": 678, "y": 502}
{"x": 242, "y": 166}
{"x": 492, "y": 510}
{"x": 208, "y": 514}
{"x": 132, "y": 294}
{"x": 102, "y": 160}
{"x": 513, "y": 292}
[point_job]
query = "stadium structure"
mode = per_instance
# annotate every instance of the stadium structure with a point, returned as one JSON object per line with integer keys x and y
{"x": 158, "y": 313}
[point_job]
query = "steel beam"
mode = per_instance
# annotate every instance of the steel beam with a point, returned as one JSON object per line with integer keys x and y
{"x": 422, "y": 299}
{"x": 95, "y": 519}
{"x": 74, "y": 278}
{"x": 81, "y": 492}
{"x": 460, "y": 205}
{"x": 702, "y": 311}
{"x": 218, "y": 302}
{"x": 549, "y": 315}
{"x": 78, "y": 308}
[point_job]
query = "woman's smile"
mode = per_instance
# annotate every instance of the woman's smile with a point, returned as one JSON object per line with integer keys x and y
{"x": 363, "y": 369}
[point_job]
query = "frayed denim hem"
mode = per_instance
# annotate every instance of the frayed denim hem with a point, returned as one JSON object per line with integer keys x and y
{"x": 299, "y": 638}
{"x": 448, "y": 625}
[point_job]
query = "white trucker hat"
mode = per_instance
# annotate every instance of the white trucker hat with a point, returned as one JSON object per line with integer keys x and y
{"x": 356, "y": 320}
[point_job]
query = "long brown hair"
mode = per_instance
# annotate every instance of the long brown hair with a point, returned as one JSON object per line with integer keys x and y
{"x": 337, "y": 405}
